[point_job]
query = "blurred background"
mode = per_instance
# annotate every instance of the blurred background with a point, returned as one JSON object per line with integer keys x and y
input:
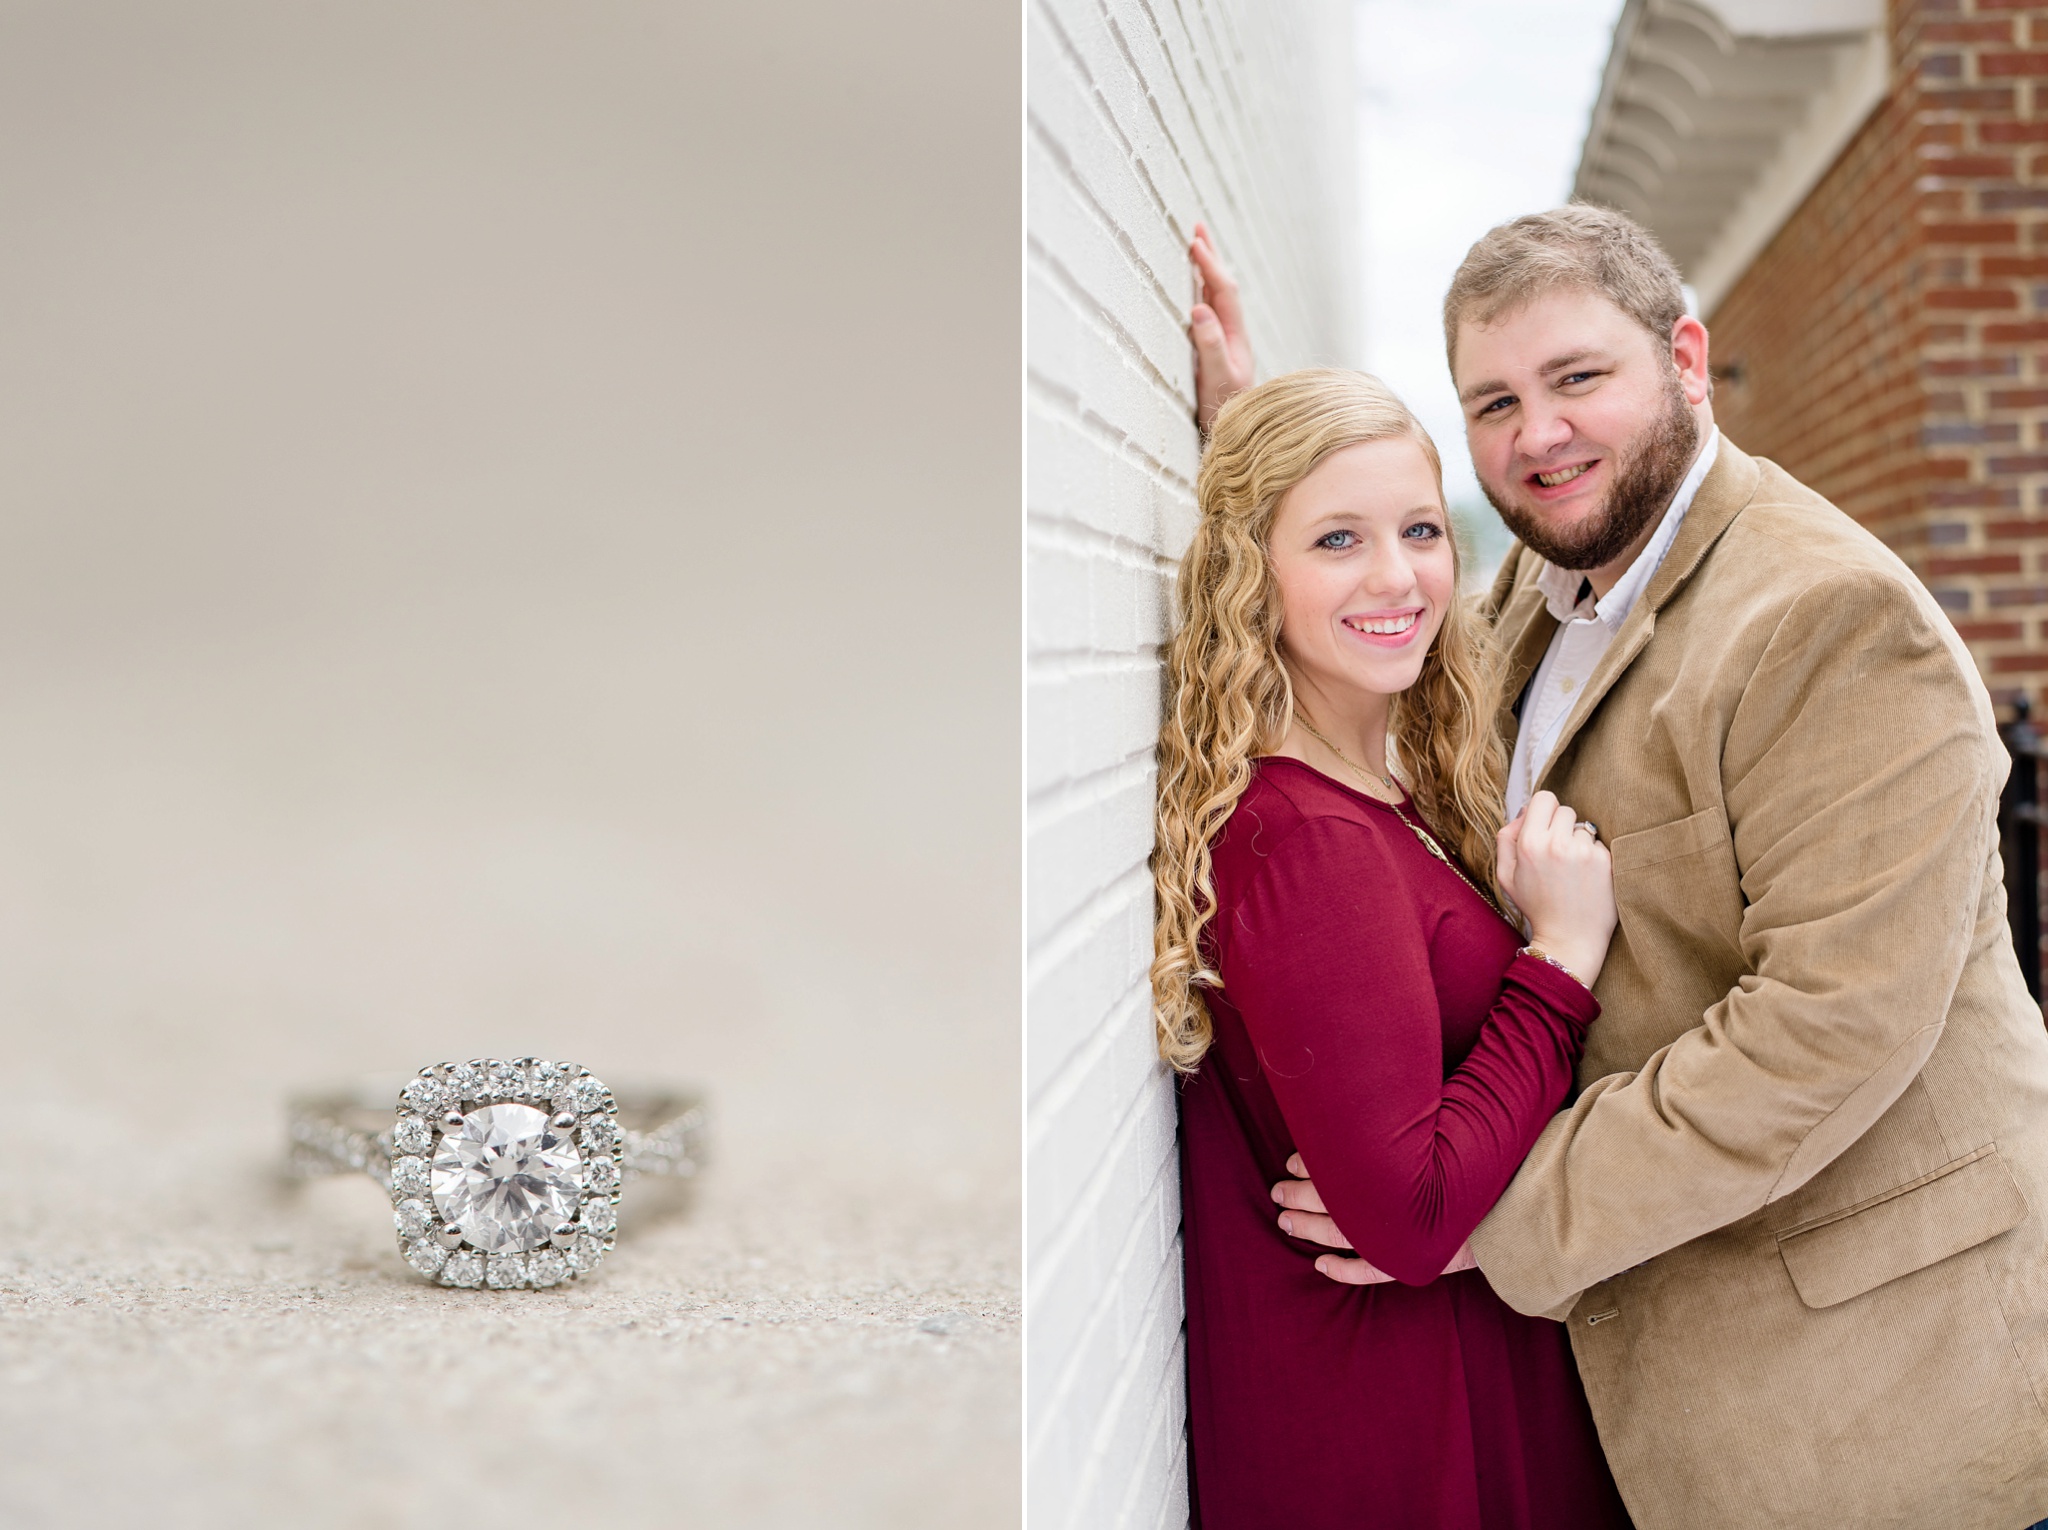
{"x": 508, "y": 545}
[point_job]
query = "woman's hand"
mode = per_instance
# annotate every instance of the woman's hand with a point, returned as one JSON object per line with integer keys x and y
{"x": 1562, "y": 879}
{"x": 1306, "y": 1218}
{"x": 1223, "y": 352}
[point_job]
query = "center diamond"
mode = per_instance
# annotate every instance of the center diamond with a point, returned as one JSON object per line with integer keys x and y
{"x": 507, "y": 1179}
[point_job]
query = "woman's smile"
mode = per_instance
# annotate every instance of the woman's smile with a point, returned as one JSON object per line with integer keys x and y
{"x": 1385, "y": 629}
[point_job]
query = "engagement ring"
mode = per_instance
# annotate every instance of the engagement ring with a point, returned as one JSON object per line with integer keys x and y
{"x": 502, "y": 1172}
{"x": 1589, "y": 826}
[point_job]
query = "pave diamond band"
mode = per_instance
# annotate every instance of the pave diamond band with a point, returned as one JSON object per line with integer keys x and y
{"x": 503, "y": 1172}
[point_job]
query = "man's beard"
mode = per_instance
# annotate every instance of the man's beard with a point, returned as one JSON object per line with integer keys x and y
{"x": 1646, "y": 476}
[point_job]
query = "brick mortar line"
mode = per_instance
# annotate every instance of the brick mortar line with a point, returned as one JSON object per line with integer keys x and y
{"x": 1167, "y": 135}
{"x": 1107, "y": 222}
{"x": 1064, "y": 406}
{"x": 1131, "y": 1004}
{"x": 1162, "y": 1182}
{"x": 1080, "y": 539}
{"x": 1110, "y": 1410}
{"x": 1165, "y": 1425}
{"x": 1285, "y": 296}
{"x": 1174, "y": 1510}
{"x": 1041, "y": 1114}
{"x": 1054, "y": 664}
{"x": 1164, "y": 1431}
{"x": 1048, "y": 810}
{"x": 1124, "y": 894}
{"x": 1155, "y": 1311}
{"x": 1273, "y": 279}
{"x": 1232, "y": 116}
{"x": 1095, "y": 314}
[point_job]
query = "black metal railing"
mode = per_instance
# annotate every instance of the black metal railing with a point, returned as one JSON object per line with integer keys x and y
{"x": 2019, "y": 840}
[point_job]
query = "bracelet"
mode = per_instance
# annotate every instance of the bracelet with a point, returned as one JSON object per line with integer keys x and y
{"x": 1544, "y": 956}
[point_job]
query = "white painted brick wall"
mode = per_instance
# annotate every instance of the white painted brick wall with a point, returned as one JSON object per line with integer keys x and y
{"x": 1143, "y": 115}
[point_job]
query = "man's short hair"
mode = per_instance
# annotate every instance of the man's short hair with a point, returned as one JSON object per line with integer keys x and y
{"x": 1592, "y": 248}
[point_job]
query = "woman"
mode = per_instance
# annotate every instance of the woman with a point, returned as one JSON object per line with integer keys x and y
{"x": 1334, "y": 978}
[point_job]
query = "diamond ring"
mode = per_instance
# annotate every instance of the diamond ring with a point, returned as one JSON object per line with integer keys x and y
{"x": 1588, "y": 825}
{"x": 503, "y": 1172}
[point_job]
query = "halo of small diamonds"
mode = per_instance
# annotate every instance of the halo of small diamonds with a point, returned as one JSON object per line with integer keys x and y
{"x": 507, "y": 1080}
{"x": 427, "y": 1095}
{"x": 570, "y": 1175}
{"x": 426, "y": 1256}
{"x": 409, "y": 1176}
{"x": 505, "y": 1272}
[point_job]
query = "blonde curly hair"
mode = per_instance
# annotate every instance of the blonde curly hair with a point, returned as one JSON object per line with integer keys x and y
{"x": 1228, "y": 695}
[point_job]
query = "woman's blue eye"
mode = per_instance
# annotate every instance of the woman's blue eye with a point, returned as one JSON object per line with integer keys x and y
{"x": 1338, "y": 541}
{"x": 1428, "y": 531}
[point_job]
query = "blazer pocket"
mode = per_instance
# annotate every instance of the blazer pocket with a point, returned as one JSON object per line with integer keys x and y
{"x": 1922, "y": 1222}
{"x": 1669, "y": 841}
{"x": 1679, "y": 894}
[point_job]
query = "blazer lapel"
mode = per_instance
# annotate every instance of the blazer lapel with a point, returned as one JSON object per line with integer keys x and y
{"x": 1730, "y": 484}
{"x": 1524, "y": 628}
{"x": 1628, "y": 642}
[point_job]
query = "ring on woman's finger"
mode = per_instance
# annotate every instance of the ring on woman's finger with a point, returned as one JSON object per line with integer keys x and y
{"x": 1589, "y": 826}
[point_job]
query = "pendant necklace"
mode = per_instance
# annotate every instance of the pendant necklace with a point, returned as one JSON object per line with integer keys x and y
{"x": 1387, "y": 781}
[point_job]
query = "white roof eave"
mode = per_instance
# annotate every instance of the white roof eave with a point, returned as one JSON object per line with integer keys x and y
{"x": 1741, "y": 106}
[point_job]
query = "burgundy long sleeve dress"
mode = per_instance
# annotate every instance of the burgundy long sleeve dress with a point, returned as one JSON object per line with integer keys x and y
{"x": 1376, "y": 1017}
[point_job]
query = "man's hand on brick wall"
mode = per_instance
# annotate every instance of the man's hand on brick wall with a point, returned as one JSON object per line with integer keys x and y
{"x": 1223, "y": 351}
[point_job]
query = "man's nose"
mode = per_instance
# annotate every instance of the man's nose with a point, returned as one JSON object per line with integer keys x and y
{"x": 1544, "y": 430}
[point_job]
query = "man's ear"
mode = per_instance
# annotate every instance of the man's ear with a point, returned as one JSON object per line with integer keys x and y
{"x": 1689, "y": 355}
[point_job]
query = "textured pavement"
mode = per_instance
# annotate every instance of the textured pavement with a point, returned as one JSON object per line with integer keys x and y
{"x": 822, "y": 1331}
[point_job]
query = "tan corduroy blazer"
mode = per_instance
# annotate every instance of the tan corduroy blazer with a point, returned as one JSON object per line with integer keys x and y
{"x": 1794, "y": 1218}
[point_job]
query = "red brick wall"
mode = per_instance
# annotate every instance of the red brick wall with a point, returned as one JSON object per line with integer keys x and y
{"x": 1816, "y": 343}
{"x": 1890, "y": 346}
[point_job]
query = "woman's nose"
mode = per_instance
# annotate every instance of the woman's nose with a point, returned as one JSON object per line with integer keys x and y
{"x": 1388, "y": 571}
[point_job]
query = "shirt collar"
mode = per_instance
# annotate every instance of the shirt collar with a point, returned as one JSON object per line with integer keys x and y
{"x": 1560, "y": 586}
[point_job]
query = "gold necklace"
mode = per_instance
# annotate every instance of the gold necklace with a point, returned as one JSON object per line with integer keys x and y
{"x": 1428, "y": 841}
{"x": 1371, "y": 775}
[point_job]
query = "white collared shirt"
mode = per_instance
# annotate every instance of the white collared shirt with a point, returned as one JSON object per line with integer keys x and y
{"x": 1585, "y": 632}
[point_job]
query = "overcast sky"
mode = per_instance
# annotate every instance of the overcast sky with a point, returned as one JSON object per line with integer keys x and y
{"x": 1471, "y": 112}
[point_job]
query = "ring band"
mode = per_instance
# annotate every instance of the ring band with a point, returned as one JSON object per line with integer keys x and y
{"x": 1589, "y": 826}
{"x": 502, "y": 1172}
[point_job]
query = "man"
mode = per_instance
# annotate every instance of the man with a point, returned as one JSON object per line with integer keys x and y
{"x": 1794, "y": 1218}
